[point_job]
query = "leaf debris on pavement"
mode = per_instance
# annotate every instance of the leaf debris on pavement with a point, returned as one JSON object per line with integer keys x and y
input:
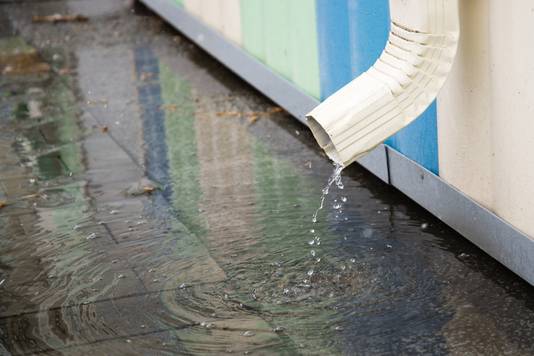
{"x": 55, "y": 18}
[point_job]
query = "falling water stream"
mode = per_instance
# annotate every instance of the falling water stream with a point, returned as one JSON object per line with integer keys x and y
{"x": 334, "y": 178}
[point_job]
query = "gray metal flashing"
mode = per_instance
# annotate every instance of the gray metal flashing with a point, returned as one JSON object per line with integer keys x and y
{"x": 492, "y": 234}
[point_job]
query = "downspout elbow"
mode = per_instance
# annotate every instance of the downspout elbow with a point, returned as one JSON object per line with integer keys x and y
{"x": 400, "y": 86}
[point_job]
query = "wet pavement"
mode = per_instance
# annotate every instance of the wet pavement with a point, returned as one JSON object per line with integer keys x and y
{"x": 153, "y": 203}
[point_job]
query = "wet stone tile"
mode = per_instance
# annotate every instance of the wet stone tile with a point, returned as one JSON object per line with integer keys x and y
{"x": 114, "y": 320}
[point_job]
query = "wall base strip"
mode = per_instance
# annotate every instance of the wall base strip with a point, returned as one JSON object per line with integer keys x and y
{"x": 495, "y": 236}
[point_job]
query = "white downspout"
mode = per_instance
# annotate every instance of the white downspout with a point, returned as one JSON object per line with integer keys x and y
{"x": 401, "y": 84}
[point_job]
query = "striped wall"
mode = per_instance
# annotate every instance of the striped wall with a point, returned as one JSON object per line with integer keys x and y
{"x": 320, "y": 45}
{"x": 484, "y": 114}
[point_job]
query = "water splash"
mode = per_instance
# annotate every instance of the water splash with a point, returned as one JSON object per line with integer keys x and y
{"x": 334, "y": 178}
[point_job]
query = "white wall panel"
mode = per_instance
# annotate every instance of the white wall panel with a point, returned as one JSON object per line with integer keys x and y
{"x": 486, "y": 110}
{"x": 221, "y": 15}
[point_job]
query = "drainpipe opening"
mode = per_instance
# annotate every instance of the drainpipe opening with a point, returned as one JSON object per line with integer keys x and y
{"x": 323, "y": 139}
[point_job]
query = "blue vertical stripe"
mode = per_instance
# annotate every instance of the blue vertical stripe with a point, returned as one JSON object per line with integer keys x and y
{"x": 351, "y": 35}
{"x": 419, "y": 140}
{"x": 334, "y": 45}
{"x": 369, "y": 30}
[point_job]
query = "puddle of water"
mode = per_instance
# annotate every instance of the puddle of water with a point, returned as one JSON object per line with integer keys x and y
{"x": 223, "y": 256}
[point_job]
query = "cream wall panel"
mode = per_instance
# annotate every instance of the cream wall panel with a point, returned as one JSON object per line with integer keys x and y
{"x": 222, "y": 15}
{"x": 512, "y": 66}
{"x": 486, "y": 110}
{"x": 211, "y": 13}
{"x": 193, "y": 7}
{"x": 231, "y": 19}
{"x": 464, "y": 122}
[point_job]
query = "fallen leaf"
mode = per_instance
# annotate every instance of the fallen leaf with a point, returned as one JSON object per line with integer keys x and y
{"x": 144, "y": 186}
{"x": 149, "y": 189}
{"x": 3, "y": 204}
{"x": 104, "y": 129}
{"x": 253, "y": 118}
{"x": 169, "y": 107}
{"x": 60, "y": 18}
{"x": 229, "y": 113}
{"x": 276, "y": 109}
{"x": 145, "y": 76}
{"x": 34, "y": 109}
{"x": 64, "y": 71}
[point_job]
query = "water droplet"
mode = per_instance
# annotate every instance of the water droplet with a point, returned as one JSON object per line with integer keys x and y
{"x": 312, "y": 231}
{"x": 92, "y": 236}
{"x": 113, "y": 212}
{"x": 143, "y": 326}
{"x": 182, "y": 286}
{"x": 318, "y": 260}
{"x": 76, "y": 227}
{"x": 310, "y": 272}
{"x": 2, "y": 281}
{"x": 311, "y": 242}
{"x": 248, "y": 333}
{"x": 312, "y": 252}
{"x": 344, "y": 199}
{"x": 338, "y": 328}
{"x": 121, "y": 276}
{"x": 278, "y": 329}
{"x": 424, "y": 226}
{"x": 286, "y": 291}
{"x": 343, "y": 267}
{"x": 367, "y": 233}
{"x": 353, "y": 260}
{"x": 389, "y": 246}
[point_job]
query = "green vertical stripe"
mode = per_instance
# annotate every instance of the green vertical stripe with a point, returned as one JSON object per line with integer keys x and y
{"x": 304, "y": 46}
{"x": 283, "y": 34}
{"x": 252, "y": 27}
{"x": 277, "y": 41}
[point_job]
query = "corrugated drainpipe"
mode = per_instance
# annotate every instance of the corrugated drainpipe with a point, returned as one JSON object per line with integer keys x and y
{"x": 401, "y": 84}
